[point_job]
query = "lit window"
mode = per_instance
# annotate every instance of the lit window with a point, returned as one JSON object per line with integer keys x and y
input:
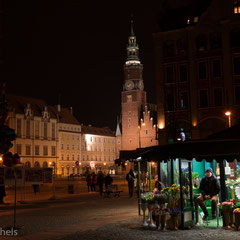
{"x": 236, "y": 6}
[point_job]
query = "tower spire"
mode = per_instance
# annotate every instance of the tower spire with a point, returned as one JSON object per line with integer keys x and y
{"x": 132, "y": 48}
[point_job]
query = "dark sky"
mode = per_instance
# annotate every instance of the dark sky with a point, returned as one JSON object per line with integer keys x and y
{"x": 77, "y": 49}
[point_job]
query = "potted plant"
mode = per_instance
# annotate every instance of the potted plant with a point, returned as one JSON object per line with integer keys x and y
{"x": 175, "y": 212}
{"x": 236, "y": 213}
{"x": 226, "y": 207}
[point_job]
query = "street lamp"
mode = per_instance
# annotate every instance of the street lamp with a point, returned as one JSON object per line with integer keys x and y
{"x": 228, "y": 114}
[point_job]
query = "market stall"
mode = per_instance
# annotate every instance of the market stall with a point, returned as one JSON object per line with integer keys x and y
{"x": 175, "y": 162}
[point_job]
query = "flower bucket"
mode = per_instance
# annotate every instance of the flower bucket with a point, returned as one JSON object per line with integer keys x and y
{"x": 237, "y": 221}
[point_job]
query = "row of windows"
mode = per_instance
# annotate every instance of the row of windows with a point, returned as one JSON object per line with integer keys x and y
{"x": 69, "y": 128}
{"x": 203, "y": 99}
{"x": 36, "y": 129}
{"x": 98, "y": 139}
{"x": 68, "y": 147}
{"x": 29, "y": 149}
{"x": 86, "y": 158}
{"x": 97, "y": 149}
{"x": 203, "y": 42}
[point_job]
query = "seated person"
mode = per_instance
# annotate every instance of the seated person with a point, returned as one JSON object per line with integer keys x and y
{"x": 209, "y": 189}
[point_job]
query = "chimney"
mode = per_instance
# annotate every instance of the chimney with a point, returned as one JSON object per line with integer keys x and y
{"x": 59, "y": 108}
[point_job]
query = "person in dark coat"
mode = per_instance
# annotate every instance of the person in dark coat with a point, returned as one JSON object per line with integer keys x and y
{"x": 130, "y": 179}
{"x": 2, "y": 194}
{"x": 93, "y": 181}
{"x": 88, "y": 180}
{"x": 209, "y": 188}
{"x": 108, "y": 181}
{"x": 100, "y": 182}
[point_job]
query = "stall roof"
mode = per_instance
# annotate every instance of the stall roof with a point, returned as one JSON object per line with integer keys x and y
{"x": 209, "y": 149}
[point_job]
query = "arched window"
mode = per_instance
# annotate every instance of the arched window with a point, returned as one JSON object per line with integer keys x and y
{"x": 27, "y": 164}
{"x": 45, "y": 164}
{"x": 36, "y": 164}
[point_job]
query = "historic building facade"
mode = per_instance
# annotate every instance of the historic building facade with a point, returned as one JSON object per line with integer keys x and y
{"x": 198, "y": 69}
{"x": 35, "y": 125}
{"x": 98, "y": 149}
{"x": 138, "y": 122}
{"x": 50, "y": 136}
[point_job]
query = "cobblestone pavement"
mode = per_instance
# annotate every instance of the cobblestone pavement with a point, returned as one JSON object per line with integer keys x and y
{"x": 131, "y": 230}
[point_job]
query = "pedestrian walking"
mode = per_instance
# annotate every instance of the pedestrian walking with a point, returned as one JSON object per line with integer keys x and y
{"x": 100, "y": 182}
{"x": 2, "y": 194}
{"x": 88, "y": 180}
{"x": 130, "y": 179}
{"x": 108, "y": 180}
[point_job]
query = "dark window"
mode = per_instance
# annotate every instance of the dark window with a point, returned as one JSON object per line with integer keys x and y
{"x": 183, "y": 73}
{"x": 202, "y": 70}
{"x": 235, "y": 38}
{"x": 169, "y": 74}
{"x": 169, "y": 49}
{"x": 19, "y": 149}
{"x": 215, "y": 40}
{"x": 53, "y": 131}
{"x": 45, "y": 150}
{"x": 45, "y": 130}
{"x": 27, "y": 128}
{"x": 28, "y": 149}
{"x": 181, "y": 47}
{"x": 170, "y": 101}
{"x": 237, "y": 95}
{"x": 184, "y": 100}
{"x": 203, "y": 98}
{"x": 36, "y": 149}
{"x": 236, "y": 66}
{"x": 216, "y": 68}
{"x": 218, "y": 97}
{"x": 201, "y": 43}
{"x": 19, "y": 127}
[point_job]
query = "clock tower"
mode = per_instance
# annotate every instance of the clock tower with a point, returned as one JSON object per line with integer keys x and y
{"x": 133, "y": 96}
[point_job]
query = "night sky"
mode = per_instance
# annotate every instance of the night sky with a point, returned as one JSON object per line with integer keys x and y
{"x": 77, "y": 49}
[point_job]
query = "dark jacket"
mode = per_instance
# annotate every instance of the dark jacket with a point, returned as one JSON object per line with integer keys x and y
{"x": 209, "y": 186}
{"x": 130, "y": 177}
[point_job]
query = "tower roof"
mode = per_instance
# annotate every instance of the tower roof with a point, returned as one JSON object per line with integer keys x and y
{"x": 132, "y": 48}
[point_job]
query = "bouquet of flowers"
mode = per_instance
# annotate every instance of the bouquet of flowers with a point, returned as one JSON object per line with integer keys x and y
{"x": 226, "y": 206}
{"x": 144, "y": 197}
{"x": 174, "y": 212}
{"x": 172, "y": 193}
{"x": 236, "y": 210}
{"x": 160, "y": 197}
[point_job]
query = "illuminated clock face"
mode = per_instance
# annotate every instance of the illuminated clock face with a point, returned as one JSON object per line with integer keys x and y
{"x": 129, "y": 85}
{"x": 141, "y": 85}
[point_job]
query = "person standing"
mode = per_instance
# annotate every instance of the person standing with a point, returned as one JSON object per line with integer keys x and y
{"x": 88, "y": 180}
{"x": 93, "y": 182}
{"x": 2, "y": 194}
{"x": 130, "y": 179}
{"x": 100, "y": 181}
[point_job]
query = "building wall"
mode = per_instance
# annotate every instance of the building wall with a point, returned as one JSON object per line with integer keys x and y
{"x": 98, "y": 152}
{"x": 69, "y": 149}
{"x": 209, "y": 50}
{"x": 26, "y": 145}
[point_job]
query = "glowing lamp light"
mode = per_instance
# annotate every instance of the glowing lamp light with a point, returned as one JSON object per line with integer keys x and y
{"x": 104, "y": 164}
{"x": 80, "y": 163}
{"x": 126, "y": 164}
{"x": 179, "y": 139}
{"x": 143, "y": 124}
{"x": 227, "y": 113}
{"x": 153, "y": 163}
{"x": 1, "y": 159}
{"x": 50, "y": 163}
